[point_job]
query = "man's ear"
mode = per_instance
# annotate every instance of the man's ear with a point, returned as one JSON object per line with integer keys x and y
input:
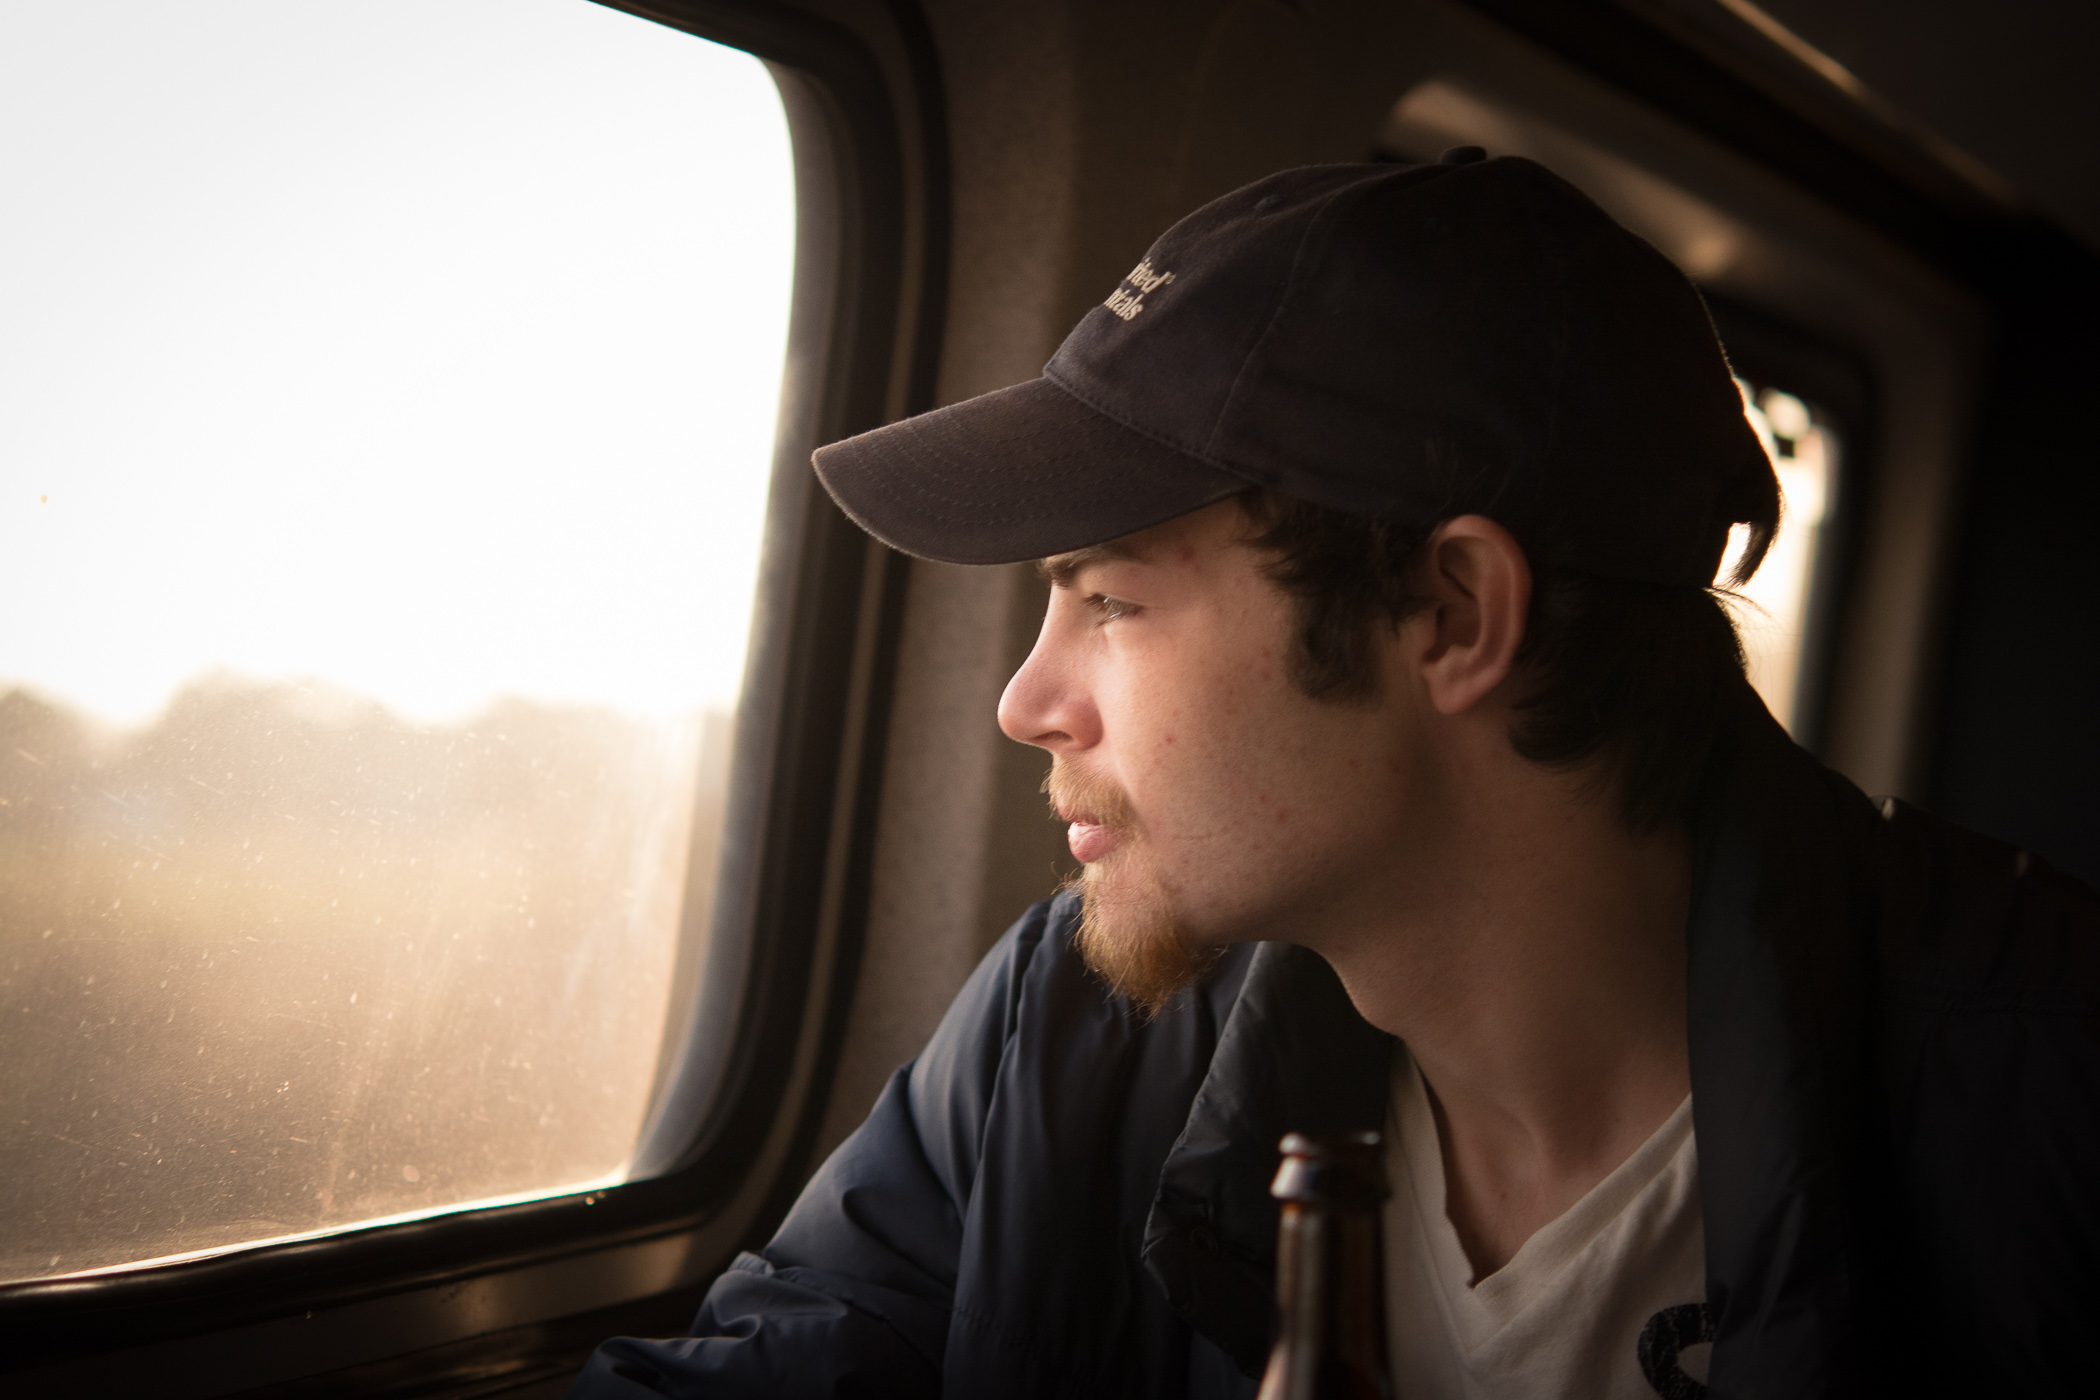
{"x": 1478, "y": 585}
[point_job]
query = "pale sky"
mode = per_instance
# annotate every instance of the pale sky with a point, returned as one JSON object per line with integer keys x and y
{"x": 429, "y": 348}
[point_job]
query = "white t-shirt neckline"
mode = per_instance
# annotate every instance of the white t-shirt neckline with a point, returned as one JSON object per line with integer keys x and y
{"x": 1565, "y": 1314}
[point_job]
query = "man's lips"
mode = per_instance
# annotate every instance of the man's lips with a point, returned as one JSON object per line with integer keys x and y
{"x": 1090, "y": 840}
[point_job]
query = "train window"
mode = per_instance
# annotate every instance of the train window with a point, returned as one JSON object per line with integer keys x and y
{"x": 391, "y": 390}
{"x": 1773, "y": 611}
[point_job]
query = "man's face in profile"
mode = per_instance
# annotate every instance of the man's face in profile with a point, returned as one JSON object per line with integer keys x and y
{"x": 1210, "y": 799}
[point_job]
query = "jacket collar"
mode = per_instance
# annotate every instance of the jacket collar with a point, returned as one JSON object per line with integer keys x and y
{"x": 1294, "y": 1057}
{"x": 1777, "y": 998}
{"x": 1781, "y": 1019}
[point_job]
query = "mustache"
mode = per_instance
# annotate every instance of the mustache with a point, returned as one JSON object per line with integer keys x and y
{"x": 1078, "y": 795}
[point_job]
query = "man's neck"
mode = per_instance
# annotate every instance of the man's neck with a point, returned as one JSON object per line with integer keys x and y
{"x": 1534, "y": 965}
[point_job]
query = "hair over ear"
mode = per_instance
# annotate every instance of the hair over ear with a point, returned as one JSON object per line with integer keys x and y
{"x": 1638, "y": 678}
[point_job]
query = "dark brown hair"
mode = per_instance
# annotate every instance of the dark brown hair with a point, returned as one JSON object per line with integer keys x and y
{"x": 1641, "y": 678}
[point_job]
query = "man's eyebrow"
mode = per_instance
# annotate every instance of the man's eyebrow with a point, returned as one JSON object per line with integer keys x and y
{"x": 1059, "y": 569}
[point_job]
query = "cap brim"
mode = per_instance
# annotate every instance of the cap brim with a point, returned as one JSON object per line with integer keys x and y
{"x": 1021, "y": 473}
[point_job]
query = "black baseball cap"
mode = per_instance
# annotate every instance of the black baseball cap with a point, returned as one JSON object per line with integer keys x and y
{"x": 1407, "y": 342}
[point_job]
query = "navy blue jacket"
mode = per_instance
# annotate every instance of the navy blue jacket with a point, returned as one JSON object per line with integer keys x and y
{"x": 1895, "y": 1056}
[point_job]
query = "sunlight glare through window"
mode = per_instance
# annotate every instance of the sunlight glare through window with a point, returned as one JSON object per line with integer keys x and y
{"x": 387, "y": 395}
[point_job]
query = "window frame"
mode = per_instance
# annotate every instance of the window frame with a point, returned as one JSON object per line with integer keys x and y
{"x": 739, "y": 1109}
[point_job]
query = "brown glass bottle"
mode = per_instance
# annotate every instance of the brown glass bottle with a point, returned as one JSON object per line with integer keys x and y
{"x": 1330, "y": 1272}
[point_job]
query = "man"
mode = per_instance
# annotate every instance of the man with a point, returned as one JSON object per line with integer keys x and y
{"x": 1419, "y": 789}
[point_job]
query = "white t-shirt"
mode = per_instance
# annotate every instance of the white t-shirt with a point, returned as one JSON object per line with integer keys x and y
{"x": 1606, "y": 1302}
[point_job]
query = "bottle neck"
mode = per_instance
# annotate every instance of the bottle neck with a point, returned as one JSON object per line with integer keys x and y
{"x": 1330, "y": 1288}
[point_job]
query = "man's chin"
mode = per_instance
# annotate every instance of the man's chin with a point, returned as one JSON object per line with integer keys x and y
{"x": 1130, "y": 936}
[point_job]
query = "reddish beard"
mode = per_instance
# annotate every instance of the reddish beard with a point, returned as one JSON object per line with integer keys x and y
{"x": 1129, "y": 933}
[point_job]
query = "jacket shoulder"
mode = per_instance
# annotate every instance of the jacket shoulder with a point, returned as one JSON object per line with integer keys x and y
{"x": 1986, "y": 923}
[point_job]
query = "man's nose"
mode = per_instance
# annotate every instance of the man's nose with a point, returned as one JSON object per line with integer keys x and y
{"x": 1046, "y": 703}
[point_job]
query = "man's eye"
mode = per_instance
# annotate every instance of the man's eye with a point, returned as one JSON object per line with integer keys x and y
{"x": 1109, "y": 609}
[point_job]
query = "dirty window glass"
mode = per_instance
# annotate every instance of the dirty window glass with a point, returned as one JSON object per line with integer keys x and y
{"x": 1773, "y": 612}
{"x": 387, "y": 390}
